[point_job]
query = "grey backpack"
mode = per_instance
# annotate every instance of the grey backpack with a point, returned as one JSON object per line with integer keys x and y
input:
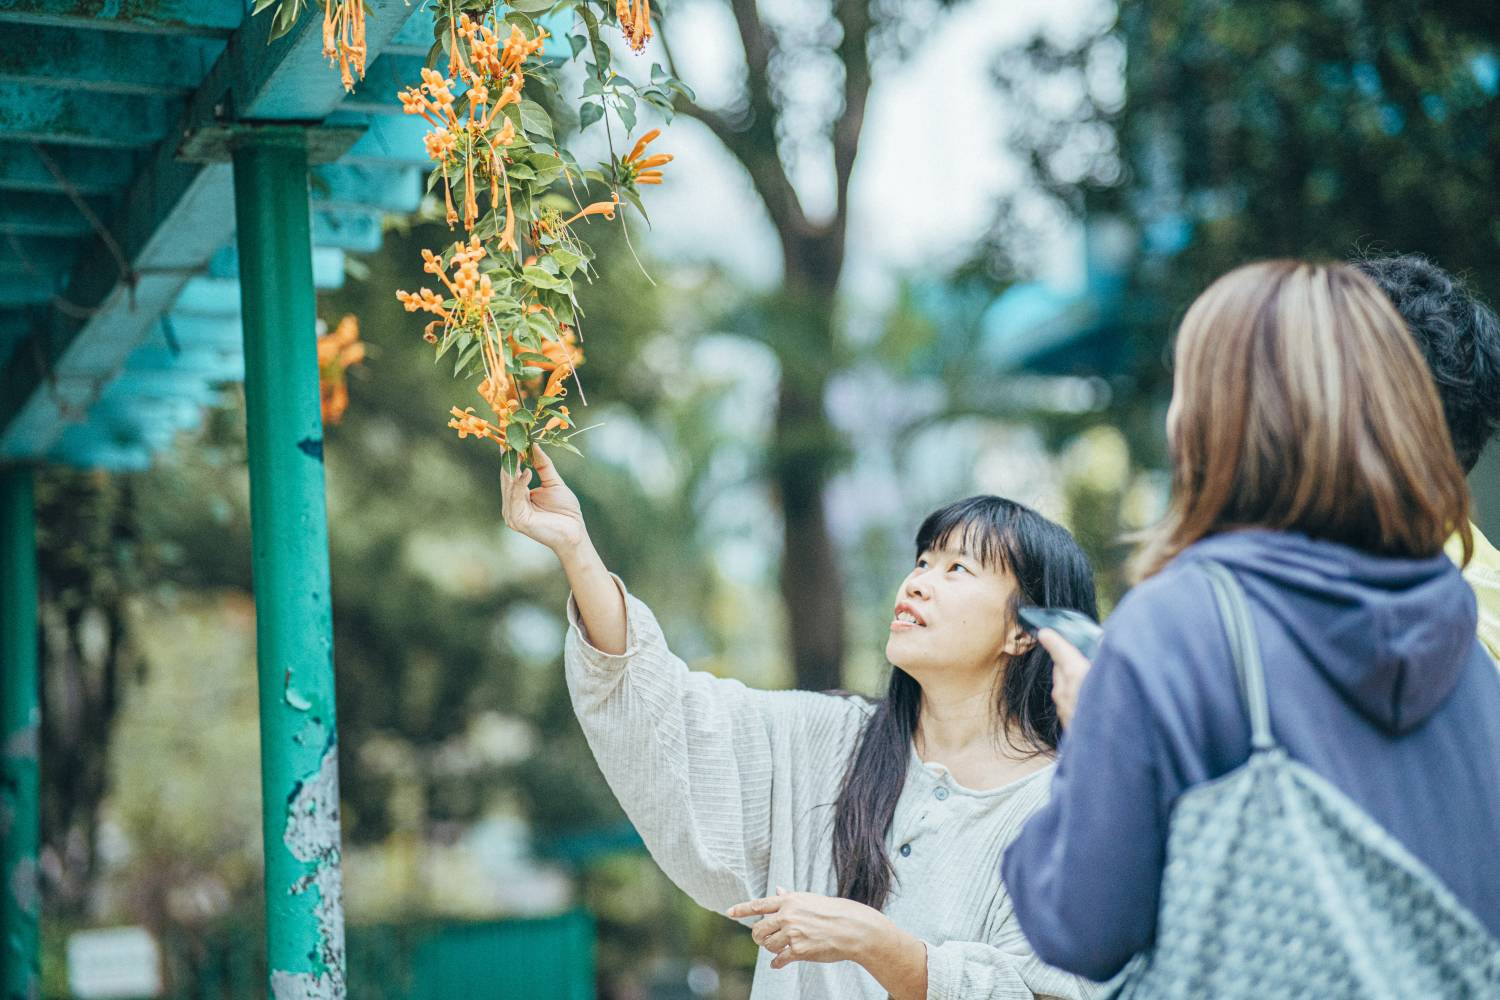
{"x": 1278, "y": 885}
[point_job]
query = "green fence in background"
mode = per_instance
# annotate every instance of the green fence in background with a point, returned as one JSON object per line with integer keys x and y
{"x": 550, "y": 958}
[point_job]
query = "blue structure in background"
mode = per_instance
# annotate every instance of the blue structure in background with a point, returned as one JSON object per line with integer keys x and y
{"x": 1039, "y": 328}
{"x": 126, "y": 109}
{"x": 173, "y": 191}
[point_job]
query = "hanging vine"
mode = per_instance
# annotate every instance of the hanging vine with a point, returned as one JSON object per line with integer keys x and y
{"x": 504, "y": 296}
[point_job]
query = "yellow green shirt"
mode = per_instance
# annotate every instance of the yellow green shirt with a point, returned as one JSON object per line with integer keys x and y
{"x": 1483, "y": 574}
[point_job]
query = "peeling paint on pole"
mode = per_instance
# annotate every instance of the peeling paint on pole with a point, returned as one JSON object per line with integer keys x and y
{"x": 289, "y": 521}
{"x": 312, "y": 835}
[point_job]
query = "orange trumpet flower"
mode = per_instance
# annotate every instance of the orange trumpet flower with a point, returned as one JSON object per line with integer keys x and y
{"x": 604, "y": 208}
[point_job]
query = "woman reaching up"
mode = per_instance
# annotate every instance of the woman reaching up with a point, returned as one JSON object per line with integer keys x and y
{"x": 862, "y": 835}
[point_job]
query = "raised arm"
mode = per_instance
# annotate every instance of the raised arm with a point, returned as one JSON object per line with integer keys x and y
{"x": 550, "y": 514}
{"x": 713, "y": 774}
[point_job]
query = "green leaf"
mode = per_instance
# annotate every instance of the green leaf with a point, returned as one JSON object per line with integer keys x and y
{"x": 547, "y": 175}
{"x": 458, "y": 337}
{"x": 286, "y": 17}
{"x": 566, "y": 259}
{"x": 635, "y": 199}
{"x": 540, "y": 328}
{"x": 625, "y": 108}
{"x": 510, "y": 463}
{"x": 515, "y": 436}
{"x": 530, "y": 6}
{"x": 659, "y": 75}
{"x": 600, "y": 50}
{"x": 532, "y": 274}
{"x": 521, "y": 21}
{"x": 592, "y": 87}
{"x": 534, "y": 119}
{"x": 465, "y": 356}
{"x": 578, "y": 42}
{"x": 260, "y": 5}
{"x": 660, "y": 100}
{"x": 558, "y": 442}
{"x": 588, "y": 113}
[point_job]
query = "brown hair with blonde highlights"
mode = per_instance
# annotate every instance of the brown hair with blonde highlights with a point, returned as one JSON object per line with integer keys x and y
{"x": 1302, "y": 404}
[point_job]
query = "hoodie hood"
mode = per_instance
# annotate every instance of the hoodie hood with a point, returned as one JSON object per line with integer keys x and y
{"x": 1392, "y": 635}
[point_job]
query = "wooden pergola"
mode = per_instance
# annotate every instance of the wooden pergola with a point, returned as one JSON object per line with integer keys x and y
{"x": 173, "y": 191}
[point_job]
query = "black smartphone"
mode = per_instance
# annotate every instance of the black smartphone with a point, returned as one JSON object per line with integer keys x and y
{"x": 1074, "y": 626}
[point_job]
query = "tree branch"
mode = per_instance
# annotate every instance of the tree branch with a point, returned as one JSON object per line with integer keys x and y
{"x": 752, "y": 139}
{"x": 853, "y": 51}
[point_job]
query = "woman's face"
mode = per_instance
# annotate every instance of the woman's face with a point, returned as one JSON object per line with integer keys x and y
{"x": 953, "y": 614}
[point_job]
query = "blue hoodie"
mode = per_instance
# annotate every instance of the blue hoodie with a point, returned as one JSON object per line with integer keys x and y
{"x": 1376, "y": 681}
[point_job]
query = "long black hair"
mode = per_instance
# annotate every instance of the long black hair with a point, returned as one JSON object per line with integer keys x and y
{"x": 1050, "y": 570}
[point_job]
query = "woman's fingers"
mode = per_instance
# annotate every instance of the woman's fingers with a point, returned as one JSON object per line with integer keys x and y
{"x": 546, "y": 472}
{"x": 1069, "y": 667}
{"x": 754, "y": 908}
{"x": 515, "y": 497}
{"x": 784, "y": 957}
{"x": 776, "y": 943}
{"x": 1065, "y": 655}
{"x": 766, "y": 929}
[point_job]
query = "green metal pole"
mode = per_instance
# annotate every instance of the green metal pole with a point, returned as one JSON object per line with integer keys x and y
{"x": 20, "y": 717}
{"x": 289, "y": 530}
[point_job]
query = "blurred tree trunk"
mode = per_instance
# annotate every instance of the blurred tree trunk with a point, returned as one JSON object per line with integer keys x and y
{"x": 806, "y": 448}
{"x": 88, "y": 566}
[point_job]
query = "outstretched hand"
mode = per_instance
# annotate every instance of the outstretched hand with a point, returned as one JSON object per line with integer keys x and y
{"x": 548, "y": 512}
{"x": 807, "y": 927}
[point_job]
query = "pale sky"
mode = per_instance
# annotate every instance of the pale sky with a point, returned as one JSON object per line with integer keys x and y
{"x": 932, "y": 163}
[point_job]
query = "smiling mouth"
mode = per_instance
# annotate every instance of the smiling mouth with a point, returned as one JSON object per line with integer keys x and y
{"x": 905, "y": 618}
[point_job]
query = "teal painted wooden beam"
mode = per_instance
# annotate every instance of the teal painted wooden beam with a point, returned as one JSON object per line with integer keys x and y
{"x": 101, "y": 62}
{"x": 388, "y": 141}
{"x": 171, "y": 221}
{"x": 209, "y": 18}
{"x": 367, "y": 187}
{"x": 356, "y": 232}
{"x": 288, "y": 79}
{"x": 90, "y": 171}
{"x": 38, "y": 256}
{"x": 16, "y": 325}
{"x": 25, "y": 289}
{"x": 29, "y": 113}
{"x": 20, "y": 717}
{"x": 385, "y": 78}
{"x": 415, "y": 36}
{"x": 328, "y": 264}
{"x": 30, "y": 214}
{"x": 289, "y": 560}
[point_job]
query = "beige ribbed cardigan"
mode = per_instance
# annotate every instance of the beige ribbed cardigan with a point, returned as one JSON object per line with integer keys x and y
{"x": 732, "y": 790}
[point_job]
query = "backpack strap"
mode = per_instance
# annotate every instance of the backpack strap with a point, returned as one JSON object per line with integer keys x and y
{"x": 1235, "y": 611}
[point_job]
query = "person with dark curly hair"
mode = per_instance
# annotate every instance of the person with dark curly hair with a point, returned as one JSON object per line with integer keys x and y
{"x": 1459, "y": 336}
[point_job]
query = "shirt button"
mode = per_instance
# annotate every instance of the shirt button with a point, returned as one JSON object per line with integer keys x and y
{"x": 906, "y": 850}
{"x": 940, "y": 793}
